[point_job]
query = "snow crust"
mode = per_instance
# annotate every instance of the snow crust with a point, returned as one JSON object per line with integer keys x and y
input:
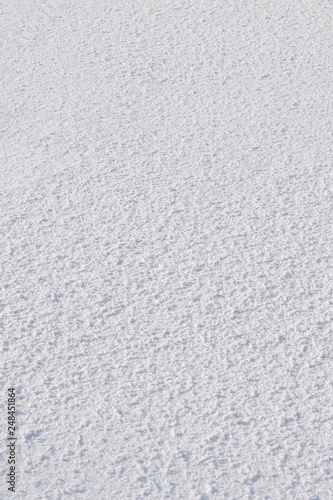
{"x": 166, "y": 248}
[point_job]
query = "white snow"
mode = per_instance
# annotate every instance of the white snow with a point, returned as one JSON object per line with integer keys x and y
{"x": 166, "y": 248}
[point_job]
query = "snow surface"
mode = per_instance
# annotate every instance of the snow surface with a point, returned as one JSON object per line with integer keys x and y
{"x": 166, "y": 248}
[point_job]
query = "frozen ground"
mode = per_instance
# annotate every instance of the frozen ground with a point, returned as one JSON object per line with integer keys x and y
{"x": 166, "y": 248}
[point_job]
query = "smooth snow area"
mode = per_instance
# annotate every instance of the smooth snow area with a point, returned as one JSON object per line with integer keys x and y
{"x": 166, "y": 248}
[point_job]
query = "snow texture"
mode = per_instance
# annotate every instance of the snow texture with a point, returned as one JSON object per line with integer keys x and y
{"x": 166, "y": 248}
